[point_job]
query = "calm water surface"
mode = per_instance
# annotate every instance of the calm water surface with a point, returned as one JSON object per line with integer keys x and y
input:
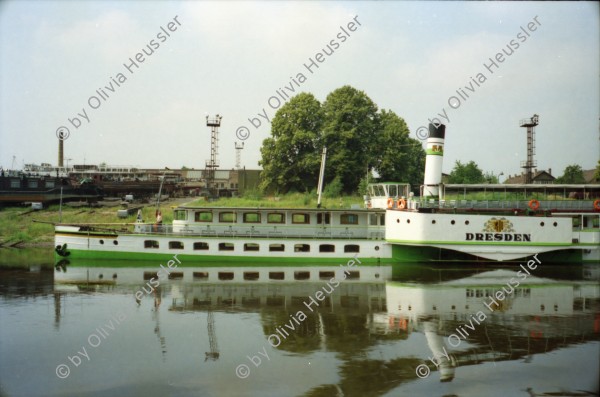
{"x": 78, "y": 329}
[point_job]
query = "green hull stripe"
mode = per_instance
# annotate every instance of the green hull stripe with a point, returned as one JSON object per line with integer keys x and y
{"x": 414, "y": 254}
{"x": 526, "y": 243}
{"x": 401, "y": 254}
{"x": 215, "y": 259}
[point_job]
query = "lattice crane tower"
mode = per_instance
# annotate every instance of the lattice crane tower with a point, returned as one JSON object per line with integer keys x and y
{"x": 238, "y": 154}
{"x": 213, "y": 163}
{"x": 530, "y": 163}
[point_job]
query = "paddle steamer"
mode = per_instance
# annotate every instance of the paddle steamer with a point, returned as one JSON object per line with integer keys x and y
{"x": 394, "y": 225}
{"x": 223, "y": 234}
{"x": 520, "y": 221}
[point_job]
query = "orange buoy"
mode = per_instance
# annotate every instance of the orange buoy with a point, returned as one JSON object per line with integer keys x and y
{"x": 402, "y": 204}
{"x": 390, "y": 202}
{"x": 597, "y": 204}
{"x": 534, "y": 204}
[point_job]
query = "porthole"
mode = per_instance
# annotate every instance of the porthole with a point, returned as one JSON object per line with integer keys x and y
{"x": 101, "y": 242}
{"x": 452, "y": 222}
{"x": 301, "y": 275}
{"x": 353, "y": 275}
{"x": 251, "y": 276}
{"x": 542, "y": 224}
{"x": 200, "y": 275}
{"x": 114, "y": 276}
{"x": 433, "y": 222}
{"x": 466, "y": 222}
{"x": 115, "y": 242}
{"x": 225, "y": 276}
{"x": 376, "y": 248}
{"x": 101, "y": 276}
{"x": 542, "y": 307}
{"x": 397, "y": 220}
{"x": 555, "y": 224}
{"x": 408, "y": 221}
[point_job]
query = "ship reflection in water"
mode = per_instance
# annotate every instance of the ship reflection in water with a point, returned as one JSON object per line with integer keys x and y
{"x": 297, "y": 331}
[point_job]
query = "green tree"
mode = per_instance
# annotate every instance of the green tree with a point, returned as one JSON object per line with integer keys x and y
{"x": 334, "y": 188}
{"x": 597, "y": 173}
{"x": 291, "y": 156}
{"x": 466, "y": 173}
{"x": 363, "y": 184}
{"x": 572, "y": 174}
{"x": 489, "y": 177}
{"x": 350, "y": 127}
{"x": 398, "y": 158}
{"x": 358, "y": 138}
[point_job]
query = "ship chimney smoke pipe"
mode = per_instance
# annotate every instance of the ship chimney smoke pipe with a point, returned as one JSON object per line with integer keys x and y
{"x": 60, "y": 152}
{"x": 434, "y": 150}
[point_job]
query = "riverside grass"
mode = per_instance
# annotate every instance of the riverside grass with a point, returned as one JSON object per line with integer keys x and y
{"x": 17, "y": 223}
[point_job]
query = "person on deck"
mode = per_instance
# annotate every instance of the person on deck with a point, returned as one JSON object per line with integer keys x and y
{"x": 158, "y": 220}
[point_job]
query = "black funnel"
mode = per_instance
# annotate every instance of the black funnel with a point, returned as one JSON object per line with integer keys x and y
{"x": 437, "y": 130}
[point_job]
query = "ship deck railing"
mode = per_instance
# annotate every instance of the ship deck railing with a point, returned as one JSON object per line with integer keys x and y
{"x": 544, "y": 205}
{"x": 167, "y": 230}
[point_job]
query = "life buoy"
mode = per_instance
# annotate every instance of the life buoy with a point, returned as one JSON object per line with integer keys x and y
{"x": 403, "y": 324}
{"x": 401, "y": 204}
{"x": 597, "y": 204}
{"x": 534, "y": 204}
{"x": 390, "y": 202}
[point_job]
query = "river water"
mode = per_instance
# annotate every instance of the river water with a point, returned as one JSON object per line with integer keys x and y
{"x": 116, "y": 329}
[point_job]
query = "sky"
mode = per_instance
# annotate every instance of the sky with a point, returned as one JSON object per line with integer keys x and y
{"x": 59, "y": 59}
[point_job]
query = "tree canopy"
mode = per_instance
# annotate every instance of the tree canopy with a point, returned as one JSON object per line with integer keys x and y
{"x": 489, "y": 177}
{"x": 291, "y": 156}
{"x": 358, "y": 137}
{"x": 466, "y": 173}
{"x": 572, "y": 174}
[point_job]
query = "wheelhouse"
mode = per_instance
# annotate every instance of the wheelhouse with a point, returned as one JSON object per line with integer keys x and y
{"x": 387, "y": 195}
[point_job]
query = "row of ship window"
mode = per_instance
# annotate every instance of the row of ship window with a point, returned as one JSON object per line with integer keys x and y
{"x": 253, "y": 275}
{"x": 32, "y": 183}
{"x": 202, "y": 246}
{"x": 273, "y": 217}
